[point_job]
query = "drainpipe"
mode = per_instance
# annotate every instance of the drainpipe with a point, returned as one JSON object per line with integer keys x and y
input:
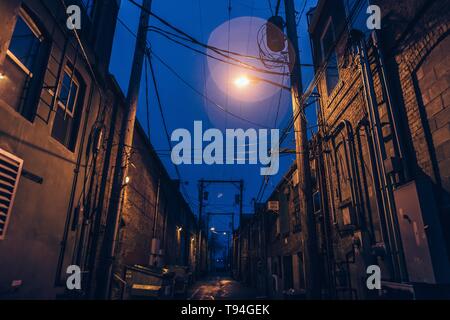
{"x": 326, "y": 218}
{"x": 400, "y": 273}
{"x": 92, "y": 257}
{"x": 155, "y": 246}
{"x": 375, "y": 180}
{"x": 392, "y": 113}
{"x": 59, "y": 266}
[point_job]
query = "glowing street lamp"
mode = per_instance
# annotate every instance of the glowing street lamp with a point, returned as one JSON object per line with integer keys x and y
{"x": 242, "y": 82}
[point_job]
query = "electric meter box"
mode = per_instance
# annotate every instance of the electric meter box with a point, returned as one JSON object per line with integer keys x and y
{"x": 421, "y": 234}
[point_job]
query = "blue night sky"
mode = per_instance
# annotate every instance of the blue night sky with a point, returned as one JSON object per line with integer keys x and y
{"x": 182, "y": 106}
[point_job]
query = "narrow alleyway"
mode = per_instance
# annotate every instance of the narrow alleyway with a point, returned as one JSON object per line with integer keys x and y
{"x": 221, "y": 288}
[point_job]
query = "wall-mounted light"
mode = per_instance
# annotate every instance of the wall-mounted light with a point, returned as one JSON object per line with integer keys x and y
{"x": 127, "y": 180}
{"x": 2, "y": 76}
{"x": 179, "y": 229}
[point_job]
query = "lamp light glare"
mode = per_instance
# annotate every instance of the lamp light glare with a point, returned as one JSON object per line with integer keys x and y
{"x": 242, "y": 82}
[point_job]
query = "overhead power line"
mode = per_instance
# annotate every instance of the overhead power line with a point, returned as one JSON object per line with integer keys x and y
{"x": 172, "y": 70}
{"x": 202, "y": 95}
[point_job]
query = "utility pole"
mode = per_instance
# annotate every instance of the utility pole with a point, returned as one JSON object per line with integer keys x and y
{"x": 200, "y": 226}
{"x": 303, "y": 166}
{"x": 241, "y": 213}
{"x": 121, "y": 169}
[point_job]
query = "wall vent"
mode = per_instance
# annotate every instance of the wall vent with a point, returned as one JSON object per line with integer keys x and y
{"x": 10, "y": 171}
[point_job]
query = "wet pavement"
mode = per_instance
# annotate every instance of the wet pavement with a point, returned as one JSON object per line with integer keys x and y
{"x": 221, "y": 288}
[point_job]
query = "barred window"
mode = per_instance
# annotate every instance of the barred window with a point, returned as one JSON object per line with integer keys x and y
{"x": 70, "y": 94}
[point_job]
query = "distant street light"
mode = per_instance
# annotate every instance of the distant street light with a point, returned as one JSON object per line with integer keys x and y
{"x": 213, "y": 229}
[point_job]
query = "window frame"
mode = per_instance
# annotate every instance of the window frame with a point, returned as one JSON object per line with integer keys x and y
{"x": 73, "y": 79}
{"x": 328, "y": 25}
{"x": 71, "y": 136}
{"x": 36, "y": 31}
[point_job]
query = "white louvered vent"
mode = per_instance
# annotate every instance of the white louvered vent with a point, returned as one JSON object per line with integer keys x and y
{"x": 10, "y": 171}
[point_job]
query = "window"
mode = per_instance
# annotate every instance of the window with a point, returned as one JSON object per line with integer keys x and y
{"x": 89, "y": 6}
{"x": 327, "y": 41}
{"x": 317, "y": 203}
{"x": 65, "y": 126}
{"x": 343, "y": 171}
{"x": 68, "y": 93}
{"x": 23, "y": 65}
{"x": 10, "y": 171}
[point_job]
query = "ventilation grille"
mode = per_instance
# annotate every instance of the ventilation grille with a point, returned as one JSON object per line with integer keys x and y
{"x": 10, "y": 170}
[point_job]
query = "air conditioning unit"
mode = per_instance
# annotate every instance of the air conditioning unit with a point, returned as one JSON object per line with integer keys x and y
{"x": 10, "y": 171}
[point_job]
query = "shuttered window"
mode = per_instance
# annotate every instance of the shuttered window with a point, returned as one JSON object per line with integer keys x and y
{"x": 10, "y": 171}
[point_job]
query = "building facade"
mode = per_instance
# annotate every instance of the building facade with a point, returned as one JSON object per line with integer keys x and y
{"x": 51, "y": 105}
{"x": 158, "y": 227}
{"x": 60, "y": 119}
{"x": 380, "y": 161}
{"x": 383, "y": 153}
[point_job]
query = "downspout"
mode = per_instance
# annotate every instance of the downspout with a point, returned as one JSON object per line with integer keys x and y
{"x": 326, "y": 219}
{"x": 59, "y": 266}
{"x": 101, "y": 198}
{"x": 155, "y": 216}
{"x": 390, "y": 212}
{"x": 392, "y": 113}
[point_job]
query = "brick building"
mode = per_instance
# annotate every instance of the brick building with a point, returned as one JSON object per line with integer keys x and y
{"x": 380, "y": 160}
{"x": 384, "y": 161}
{"x": 158, "y": 227}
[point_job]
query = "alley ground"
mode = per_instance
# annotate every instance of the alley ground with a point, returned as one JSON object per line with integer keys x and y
{"x": 221, "y": 288}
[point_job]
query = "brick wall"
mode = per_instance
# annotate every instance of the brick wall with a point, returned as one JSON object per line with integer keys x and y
{"x": 416, "y": 39}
